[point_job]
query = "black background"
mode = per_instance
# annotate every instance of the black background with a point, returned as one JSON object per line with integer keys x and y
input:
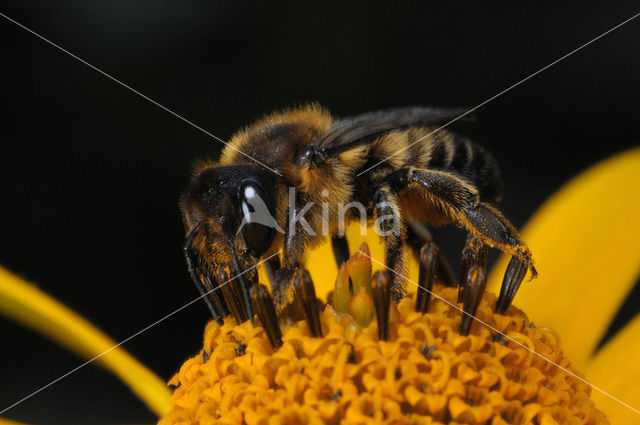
{"x": 91, "y": 173}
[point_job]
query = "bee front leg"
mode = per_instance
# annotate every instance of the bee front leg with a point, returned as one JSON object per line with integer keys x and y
{"x": 392, "y": 231}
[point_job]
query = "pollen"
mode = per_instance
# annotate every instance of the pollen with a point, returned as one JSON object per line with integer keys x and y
{"x": 420, "y": 370}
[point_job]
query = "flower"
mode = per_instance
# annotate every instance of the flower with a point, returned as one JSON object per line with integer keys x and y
{"x": 30, "y": 306}
{"x": 419, "y": 370}
{"x": 425, "y": 373}
{"x": 586, "y": 244}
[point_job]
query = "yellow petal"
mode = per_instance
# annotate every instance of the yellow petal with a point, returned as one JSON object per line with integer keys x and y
{"x": 586, "y": 245}
{"x": 616, "y": 370}
{"x": 10, "y": 422}
{"x": 35, "y": 309}
{"x": 322, "y": 264}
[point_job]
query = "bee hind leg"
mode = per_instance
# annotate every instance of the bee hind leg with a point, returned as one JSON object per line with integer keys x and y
{"x": 460, "y": 201}
{"x": 496, "y": 231}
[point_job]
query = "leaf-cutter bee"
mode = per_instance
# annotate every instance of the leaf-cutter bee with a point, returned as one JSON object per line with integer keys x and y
{"x": 306, "y": 159}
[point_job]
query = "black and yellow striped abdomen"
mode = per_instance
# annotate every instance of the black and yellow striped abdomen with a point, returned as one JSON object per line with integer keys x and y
{"x": 441, "y": 150}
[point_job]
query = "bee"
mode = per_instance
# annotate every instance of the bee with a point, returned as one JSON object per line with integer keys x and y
{"x": 265, "y": 195}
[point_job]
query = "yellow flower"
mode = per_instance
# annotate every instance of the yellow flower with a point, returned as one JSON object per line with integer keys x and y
{"x": 425, "y": 373}
{"x": 587, "y": 245}
{"x": 28, "y": 305}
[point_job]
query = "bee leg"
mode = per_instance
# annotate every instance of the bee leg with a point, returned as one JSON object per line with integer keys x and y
{"x": 460, "y": 201}
{"x": 340, "y": 247}
{"x": 428, "y": 267}
{"x": 207, "y": 295}
{"x": 496, "y": 231}
{"x": 390, "y": 227}
{"x": 417, "y": 235}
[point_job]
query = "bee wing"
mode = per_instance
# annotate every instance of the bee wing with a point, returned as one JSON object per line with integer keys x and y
{"x": 362, "y": 129}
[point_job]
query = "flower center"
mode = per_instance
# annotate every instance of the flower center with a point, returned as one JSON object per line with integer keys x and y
{"x": 361, "y": 358}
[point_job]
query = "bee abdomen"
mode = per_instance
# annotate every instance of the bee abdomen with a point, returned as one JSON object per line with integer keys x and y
{"x": 451, "y": 152}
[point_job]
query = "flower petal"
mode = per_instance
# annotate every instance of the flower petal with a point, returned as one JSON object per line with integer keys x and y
{"x": 4, "y": 421}
{"x": 322, "y": 264}
{"x": 28, "y": 305}
{"x": 586, "y": 244}
{"x": 617, "y": 366}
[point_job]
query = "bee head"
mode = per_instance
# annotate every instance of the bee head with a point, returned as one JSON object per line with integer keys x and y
{"x": 230, "y": 208}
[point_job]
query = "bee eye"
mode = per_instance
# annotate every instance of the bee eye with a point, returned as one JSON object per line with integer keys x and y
{"x": 258, "y": 223}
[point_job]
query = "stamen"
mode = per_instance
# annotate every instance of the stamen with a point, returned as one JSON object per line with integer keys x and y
{"x": 197, "y": 277}
{"x": 240, "y": 282}
{"x": 252, "y": 280}
{"x": 342, "y": 293}
{"x": 359, "y": 266}
{"x": 382, "y": 299}
{"x": 429, "y": 261}
{"x": 215, "y": 296}
{"x": 231, "y": 296}
{"x": 239, "y": 289}
{"x": 263, "y": 305}
{"x": 513, "y": 277}
{"x": 473, "y": 289}
{"x": 362, "y": 308}
{"x": 306, "y": 294}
